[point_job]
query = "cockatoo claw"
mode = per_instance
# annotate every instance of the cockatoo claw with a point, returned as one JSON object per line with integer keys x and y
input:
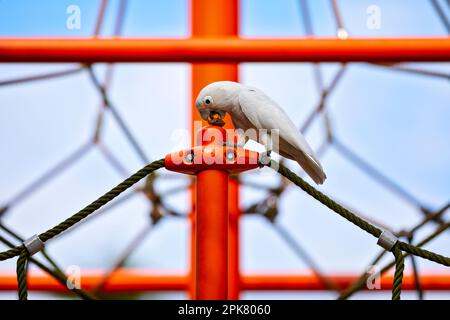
{"x": 264, "y": 158}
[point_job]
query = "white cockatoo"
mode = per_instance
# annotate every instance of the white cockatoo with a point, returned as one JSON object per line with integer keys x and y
{"x": 250, "y": 108}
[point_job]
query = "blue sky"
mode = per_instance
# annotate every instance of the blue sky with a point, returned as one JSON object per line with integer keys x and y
{"x": 396, "y": 121}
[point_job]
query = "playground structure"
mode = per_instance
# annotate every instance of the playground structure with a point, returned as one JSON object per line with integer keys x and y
{"x": 214, "y": 51}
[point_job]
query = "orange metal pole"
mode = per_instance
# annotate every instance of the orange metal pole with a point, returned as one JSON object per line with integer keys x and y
{"x": 233, "y": 240}
{"x": 212, "y": 235}
{"x": 217, "y": 48}
{"x": 217, "y": 18}
{"x": 132, "y": 280}
{"x": 211, "y": 160}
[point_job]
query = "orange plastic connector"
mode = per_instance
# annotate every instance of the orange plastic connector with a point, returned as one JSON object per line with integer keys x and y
{"x": 215, "y": 150}
{"x": 213, "y": 158}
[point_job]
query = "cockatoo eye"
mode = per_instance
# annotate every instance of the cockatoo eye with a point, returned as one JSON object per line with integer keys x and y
{"x": 208, "y": 100}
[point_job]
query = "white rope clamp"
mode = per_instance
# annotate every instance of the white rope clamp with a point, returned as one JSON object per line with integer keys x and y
{"x": 34, "y": 245}
{"x": 387, "y": 240}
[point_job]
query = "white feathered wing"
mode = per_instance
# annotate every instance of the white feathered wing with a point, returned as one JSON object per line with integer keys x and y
{"x": 264, "y": 113}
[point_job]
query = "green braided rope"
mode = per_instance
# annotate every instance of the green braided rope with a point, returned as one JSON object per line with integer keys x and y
{"x": 22, "y": 274}
{"x": 358, "y": 284}
{"x": 57, "y": 274}
{"x": 22, "y": 252}
{"x": 100, "y": 202}
{"x": 353, "y": 218}
{"x": 324, "y": 199}
{"x": 127, "y": 183}
{"x": 398, "y": 275}
{"x": 11, "y": 253}
{"x": 424, "y": 253}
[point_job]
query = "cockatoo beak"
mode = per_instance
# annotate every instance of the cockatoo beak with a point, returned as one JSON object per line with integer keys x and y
{"x": 207, "y": 114}
{"x": 204, "y": 114}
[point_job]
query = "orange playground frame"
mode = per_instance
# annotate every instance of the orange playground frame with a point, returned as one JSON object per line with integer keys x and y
{"x": 214, "y": 50}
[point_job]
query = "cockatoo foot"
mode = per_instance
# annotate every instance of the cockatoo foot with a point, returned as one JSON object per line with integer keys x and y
{"x": 264, "y": 158}
{"x": 234, "y": 145}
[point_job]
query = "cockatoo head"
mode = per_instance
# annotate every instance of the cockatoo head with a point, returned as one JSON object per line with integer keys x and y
{"x": 217, "y": 97}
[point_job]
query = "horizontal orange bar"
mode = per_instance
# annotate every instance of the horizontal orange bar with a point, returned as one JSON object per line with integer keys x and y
{"x": 310, "y": 282}
{"x": 223, "y": 50}
{"x": 129, "y": 280}
{"x": 123, "y": 280}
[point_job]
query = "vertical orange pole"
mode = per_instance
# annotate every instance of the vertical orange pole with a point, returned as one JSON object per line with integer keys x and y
{"x": 212, "y": 18}
{"x": 212, "y": 235}
{"x": 233, "y": 240}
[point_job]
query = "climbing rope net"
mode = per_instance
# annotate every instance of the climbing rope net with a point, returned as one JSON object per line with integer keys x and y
{"x": 268, "y": 207}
